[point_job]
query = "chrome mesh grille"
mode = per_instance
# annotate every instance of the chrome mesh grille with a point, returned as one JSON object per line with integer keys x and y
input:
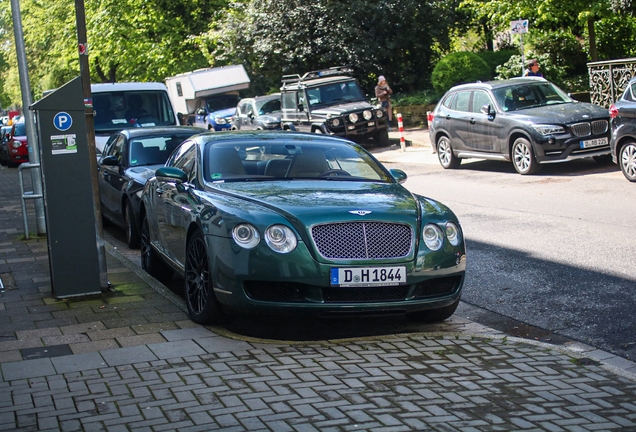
{"x": 363, "y": 240}
{"x": 581, "y": 129}
{"x": 599, "y": 126}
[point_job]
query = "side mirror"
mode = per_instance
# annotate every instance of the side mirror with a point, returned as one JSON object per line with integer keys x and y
{"x": 201, "y": 111}
{"x": 398, "y": 175}
{"x": 251, "y": 115}
{"x": 487, "y": 109}
{"x": 171, "y": 174}
{"x": 110, "y": 161}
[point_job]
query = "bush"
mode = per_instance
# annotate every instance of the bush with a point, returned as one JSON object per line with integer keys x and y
{"x": 496, "y": 58}
{"x": 513, "y": 68}
{"x": 458, "y": 68}
{"x": 424, "y": 97}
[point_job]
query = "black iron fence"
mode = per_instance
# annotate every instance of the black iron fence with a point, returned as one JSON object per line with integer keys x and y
{"x": 608, "y": 79}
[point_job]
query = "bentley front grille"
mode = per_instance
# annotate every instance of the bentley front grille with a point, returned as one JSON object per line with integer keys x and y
{"x": 363, "y": 240}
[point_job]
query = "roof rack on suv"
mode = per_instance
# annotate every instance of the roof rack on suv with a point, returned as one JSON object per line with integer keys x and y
{"x": 295, "y": 78}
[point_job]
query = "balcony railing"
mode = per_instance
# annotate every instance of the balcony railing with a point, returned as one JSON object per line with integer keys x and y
{"x": 608, "y": 79}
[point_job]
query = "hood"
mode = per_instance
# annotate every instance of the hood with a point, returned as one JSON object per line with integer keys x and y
{"x": 306, "y": 203}
{"x": 269, "y": 118}
{"x": 344, "y": 108}
{"x": 562, "y": 113}
{"x": 141, "y": 174}
{"x": 227, "y": 112}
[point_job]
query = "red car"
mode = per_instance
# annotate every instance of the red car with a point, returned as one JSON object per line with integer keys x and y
{"x": 14, "y": 149}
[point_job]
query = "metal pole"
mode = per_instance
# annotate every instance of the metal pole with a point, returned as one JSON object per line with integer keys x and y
{"x": 34, "y": 146}
{"x": 82, "y": 44}
{"x": 523, "y": 57}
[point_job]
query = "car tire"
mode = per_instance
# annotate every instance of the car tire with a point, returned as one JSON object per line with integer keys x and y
{"x": 627, "y": 161}
{"x": 382, "y": 138}
{"x": 523, "y": 157}
{"x": 150, "y": 261}
{"x": 445, "y": 154}
{"x": 132, "y": 232}
{"x": 434, "y": 315}
{"x": 203, "y": 307}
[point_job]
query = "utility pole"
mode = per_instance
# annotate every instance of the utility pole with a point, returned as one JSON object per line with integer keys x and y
{"x": 25, "y": 86}
{"x": 82, "y": 45}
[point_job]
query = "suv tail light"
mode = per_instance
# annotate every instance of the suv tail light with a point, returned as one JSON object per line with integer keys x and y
{"x": 613, "y": 111}
{"x": 429, "y": 117}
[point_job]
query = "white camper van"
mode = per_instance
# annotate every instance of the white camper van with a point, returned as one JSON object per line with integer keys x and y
{"x": 125, "y": 105}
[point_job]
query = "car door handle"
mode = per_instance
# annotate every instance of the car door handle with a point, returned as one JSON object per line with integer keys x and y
{"x": 159, "y": 191}
{"x": 448, "y": 117}
{"x": 472, "y": 121}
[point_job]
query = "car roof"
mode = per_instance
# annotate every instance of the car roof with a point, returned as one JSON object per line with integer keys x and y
{"x": 316, "y": 82}
{"x": 160, "y": 130}
{"x": 273, "y": 136}
{"x": 495, "y": 84}
{"x": 126, "y": 86}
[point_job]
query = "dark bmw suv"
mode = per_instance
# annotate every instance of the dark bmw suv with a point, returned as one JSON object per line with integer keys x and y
{"x": 526, "y": 121}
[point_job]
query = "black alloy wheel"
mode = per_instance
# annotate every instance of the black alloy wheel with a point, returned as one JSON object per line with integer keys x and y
{"x": 132, "y": 233}
{"x": 203, "y": 307}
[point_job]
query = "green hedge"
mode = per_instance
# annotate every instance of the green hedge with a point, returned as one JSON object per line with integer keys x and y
{"x": 458, "y": 68}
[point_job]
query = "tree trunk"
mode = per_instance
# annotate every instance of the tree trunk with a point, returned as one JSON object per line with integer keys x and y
{"x": 592, "y": 38}
{"x": 490, "y": 46}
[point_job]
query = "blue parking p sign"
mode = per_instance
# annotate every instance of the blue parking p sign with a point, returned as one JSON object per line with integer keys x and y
{"x": 62, "y": 121}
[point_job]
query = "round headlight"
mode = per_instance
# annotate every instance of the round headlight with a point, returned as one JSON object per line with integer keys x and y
{"x": 246, "y": 236}
{"x": 452, "y": 234}
{"x": 353, "y": 117}
{"x": 16, "y": 144}
{"x": 367, "y": 115}
{"x": 433, "y": 237}
{"x": 335, "y": 122}
{"x": 280, "y": 238}
{"x": 379, "y": 114}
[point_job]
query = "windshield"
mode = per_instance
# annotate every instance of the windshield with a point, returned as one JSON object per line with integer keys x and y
{"x": 20, "y": 129}
{"x": 218, "y": 104}
{"x": 155, "y": 149}
{"x": 329, "y": 94}
{"x": 268, "y": 106}
{"x": 281, "y": 160}
{"x": 124, "y": 109}
{"x": 530, "y": 95}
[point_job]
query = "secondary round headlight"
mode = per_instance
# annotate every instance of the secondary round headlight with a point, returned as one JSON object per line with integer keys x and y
{"x": 367, "y": 115}
{"x": 452, "y": 234}
{"x": 353, "y": 117}
{"x": 379, "y": 114}
{"x": 280, "y": 238}
{"x": 246, "y": 236}
{"x": 433, "y": 237}
{"x": 335, "y": 122}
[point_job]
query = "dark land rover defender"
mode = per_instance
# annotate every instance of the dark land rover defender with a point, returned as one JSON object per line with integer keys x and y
{"x": 331, "y": 102}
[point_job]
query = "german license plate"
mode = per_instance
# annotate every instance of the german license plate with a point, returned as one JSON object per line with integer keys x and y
{"x": 593, "y": 142}
{"x": 368, "y": 276}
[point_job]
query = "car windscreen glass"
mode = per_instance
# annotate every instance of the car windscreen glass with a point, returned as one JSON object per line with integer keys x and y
{"x": 268, "y": 106}
{"x": 20, "y": 129}
{"x": 218, "y": 104}
{"x": 155, "y": 149}
{"x": 114, "y": 111}
{"x": 334, "y": 93}
{"x": 280, "y": 160}
{"x": 530, "y": 95}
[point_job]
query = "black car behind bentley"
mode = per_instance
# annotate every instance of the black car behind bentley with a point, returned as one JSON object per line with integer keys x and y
{"x": 623, "y": 144}
{"x": 130, "y": 157}
{"x": 528, "y": 121}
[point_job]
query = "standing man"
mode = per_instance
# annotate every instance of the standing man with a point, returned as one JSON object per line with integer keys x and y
{"x": 533, "y": 69}
{"x": 383, "y": 92}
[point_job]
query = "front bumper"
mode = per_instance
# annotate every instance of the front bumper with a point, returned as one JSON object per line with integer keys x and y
{"x": 260, "y": 281}
{"x": 565, "y": 147}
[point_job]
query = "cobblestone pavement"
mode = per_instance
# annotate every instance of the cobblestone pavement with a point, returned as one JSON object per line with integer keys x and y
{"x": 130, "y": 359}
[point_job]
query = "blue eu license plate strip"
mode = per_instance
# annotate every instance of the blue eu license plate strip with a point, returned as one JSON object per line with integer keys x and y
{"x": 368, "y": 276}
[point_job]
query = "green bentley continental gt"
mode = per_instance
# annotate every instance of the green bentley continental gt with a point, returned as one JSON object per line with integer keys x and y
{"x": 298, "y": 223}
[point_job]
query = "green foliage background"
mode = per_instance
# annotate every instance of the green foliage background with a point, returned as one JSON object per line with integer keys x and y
{"x": 149, "y": 40}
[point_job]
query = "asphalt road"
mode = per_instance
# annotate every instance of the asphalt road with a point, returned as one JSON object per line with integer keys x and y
{"x": 554, "y": 251}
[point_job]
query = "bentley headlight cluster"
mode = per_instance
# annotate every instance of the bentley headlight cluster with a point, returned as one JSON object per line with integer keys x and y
{"x": 368, "y": 115}
{"x": 434, "y": 235}
{"x": 279, "y": 238}
{"x": 353, "y": 118}
{"x": 379, "y": 114}
{"x": 545, "y": 129}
